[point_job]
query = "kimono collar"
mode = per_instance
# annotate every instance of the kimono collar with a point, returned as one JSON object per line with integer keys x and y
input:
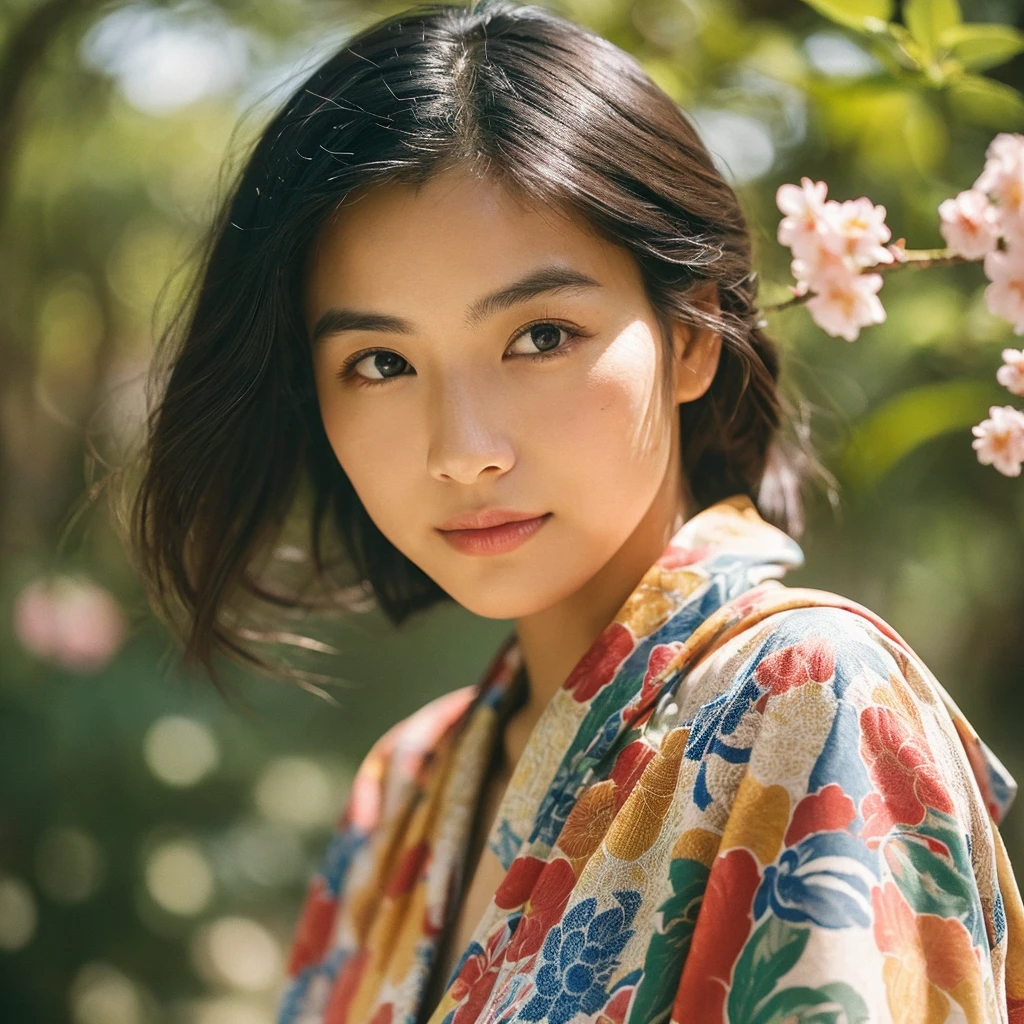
{"x": 723, "y": 551}
{"x": 728, "y": 542}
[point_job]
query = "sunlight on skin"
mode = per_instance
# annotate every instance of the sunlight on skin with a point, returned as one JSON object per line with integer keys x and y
{"x": 453, "y": 416}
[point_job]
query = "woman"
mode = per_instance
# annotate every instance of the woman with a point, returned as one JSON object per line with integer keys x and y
{"x": 481, "y": 288}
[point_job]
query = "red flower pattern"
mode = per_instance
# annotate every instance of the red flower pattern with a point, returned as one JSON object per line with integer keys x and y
{"x": 828, "y": 810}
{"x": 476, "y": 979}
{"x": 940, "y": 945}
{"x": 408, "y": 869}
{"x": 314, "y": 927}
{"x": 547, "y": 904}
{"x": 723, "y": 925}
{"x": 679, "y": 557}
{"x": 628, "y": 768}
{"x": 906, "y": 777}
{"x": 596, "y": 668}
{"x": 518, "y": 882}
{"x": 345, "y": 986}
{"x": 808, "y": 661}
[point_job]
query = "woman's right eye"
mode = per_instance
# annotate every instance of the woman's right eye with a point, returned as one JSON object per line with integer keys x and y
{"x": 375, "y": 366}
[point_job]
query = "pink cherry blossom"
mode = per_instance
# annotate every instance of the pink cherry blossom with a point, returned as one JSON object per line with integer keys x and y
{"x": 842, "y": 306}
{"x": 804, "y": 208}
{"x": 969, "y": 224}
{"x": 74, "y": 623}
{"x": 832, "y": 242}
{"x": 824, "y": 263}
{"x": 1003, "y": 178}
{"x": 1005, "y": 295}
{"x": 999, "y": 440}
{"x": 857, "y": 229}
{"x": 1011, "y": 373}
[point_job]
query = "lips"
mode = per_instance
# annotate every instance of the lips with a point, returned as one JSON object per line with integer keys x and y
{"x": 506, "y": 535}
{"x": 486, "y": 518}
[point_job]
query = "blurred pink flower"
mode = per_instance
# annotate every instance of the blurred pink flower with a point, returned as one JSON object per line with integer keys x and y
{"x": 857, "y": 229}
{"x": 74, "y": 623}
{"x": 1011, "y": 373}
{"x": 836, "y": 245}
{"x": 832, "y": 243}
{"x": 804, "y": 206}
{"x": 1003, "y": 178}
{"x": 842, "y": 306}
{"x": 823, "y": 263}
{"x": 999, "y": 440}
{"x": 1005, "y": 295}
{"x": 969, "y": 224}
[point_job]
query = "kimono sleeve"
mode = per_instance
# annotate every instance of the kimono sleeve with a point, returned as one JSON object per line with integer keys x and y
{"x": 376, "y": 807}
{"x": 858, "y": 874}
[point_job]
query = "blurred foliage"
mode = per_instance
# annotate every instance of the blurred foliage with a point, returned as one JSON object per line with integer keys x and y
{"x": 155, "y": 840}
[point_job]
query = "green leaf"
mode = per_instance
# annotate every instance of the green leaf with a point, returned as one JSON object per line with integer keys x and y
{"x": 932, "y": 885}
{"x": 928, "y": 19}
{"x": 910, "y": 419}
{"x": 905, "y": 44}
{"x": 982, "y": 46}
{"x": 768, "y": 954}
{"x": 987, "y": 103}
{"x": 863, "y": 15}
{"x": 849, "y": 999}
{"x": 944, "y": 827}
{"x": 670, "y": 945}
{"x": 835, "y": 1003}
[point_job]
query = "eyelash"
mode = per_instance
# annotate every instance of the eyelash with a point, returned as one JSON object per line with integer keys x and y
{"x": 347, "y": 370}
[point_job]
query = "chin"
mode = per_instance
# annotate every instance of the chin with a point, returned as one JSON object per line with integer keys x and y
{"x": 519, "y": 597}
{"x": 494, "y": 604}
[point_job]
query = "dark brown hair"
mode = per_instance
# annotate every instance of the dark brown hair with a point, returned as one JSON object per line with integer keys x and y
{"x": 558, "y": 115}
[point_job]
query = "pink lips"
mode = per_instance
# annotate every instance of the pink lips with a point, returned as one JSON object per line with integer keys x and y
{"x": 492, "y": 531}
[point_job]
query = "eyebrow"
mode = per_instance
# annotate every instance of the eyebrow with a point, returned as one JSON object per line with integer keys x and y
{"x": 537, "y": 282}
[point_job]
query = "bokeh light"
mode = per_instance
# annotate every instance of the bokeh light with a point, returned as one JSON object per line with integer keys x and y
{"x": 296, "y": 791}
{"x": 164, "y": 61}
{"x": 180, "y": 751}
{"x": 179, "y": 877}
{"x": 101, "y": 994}
{"x": 229, "y": 1010}
{"x": 239, "y": 952}
{"x": 18, "y": 915}
{"x": 72, "y": 622}
{"x": 740, "y": 145}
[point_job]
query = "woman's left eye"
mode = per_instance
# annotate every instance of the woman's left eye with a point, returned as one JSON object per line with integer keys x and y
{"x": 540, "y": 339}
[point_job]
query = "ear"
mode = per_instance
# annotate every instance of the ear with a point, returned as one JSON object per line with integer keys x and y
{"x": 697, "y": 349}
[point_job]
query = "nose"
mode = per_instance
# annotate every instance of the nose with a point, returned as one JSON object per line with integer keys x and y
{"x": 466, "y": 441}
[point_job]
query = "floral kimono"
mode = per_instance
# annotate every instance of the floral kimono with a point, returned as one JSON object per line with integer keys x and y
{"x": 748, "y": 802}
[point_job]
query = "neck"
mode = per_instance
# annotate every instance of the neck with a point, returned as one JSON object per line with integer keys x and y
{"x": 553, "y": 641}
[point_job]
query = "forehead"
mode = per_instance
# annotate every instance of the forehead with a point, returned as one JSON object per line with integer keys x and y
{"x": 457, "y": 234}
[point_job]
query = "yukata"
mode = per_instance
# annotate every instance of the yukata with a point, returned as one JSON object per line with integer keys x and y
{"x": 748, "y": 803}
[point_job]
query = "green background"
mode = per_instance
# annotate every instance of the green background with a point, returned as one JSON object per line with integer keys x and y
{"x": 127, "y": 899}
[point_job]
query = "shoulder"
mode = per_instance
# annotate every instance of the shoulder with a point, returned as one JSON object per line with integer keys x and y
{"x": 788, "y": 636}
{"x": 816, "y": 672}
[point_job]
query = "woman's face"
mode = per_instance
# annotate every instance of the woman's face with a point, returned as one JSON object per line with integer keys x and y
{"x": 472, "y": 355}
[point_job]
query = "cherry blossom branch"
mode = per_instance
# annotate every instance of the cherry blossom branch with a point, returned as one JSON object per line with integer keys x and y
{"x": 920, "y": 258}
{"x": 841, "y": 252}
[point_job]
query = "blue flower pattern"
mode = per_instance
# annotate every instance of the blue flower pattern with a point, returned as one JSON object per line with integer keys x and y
{"x": 579, "y": 956}
{"x": 826, "y": 879}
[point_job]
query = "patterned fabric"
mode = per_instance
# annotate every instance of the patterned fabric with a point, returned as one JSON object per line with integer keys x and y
{"x": 748, "y": 802}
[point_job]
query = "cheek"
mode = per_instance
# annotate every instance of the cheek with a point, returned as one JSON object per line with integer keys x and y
{"x": 375, "y": 448}
{"x": 613, "y": 421}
